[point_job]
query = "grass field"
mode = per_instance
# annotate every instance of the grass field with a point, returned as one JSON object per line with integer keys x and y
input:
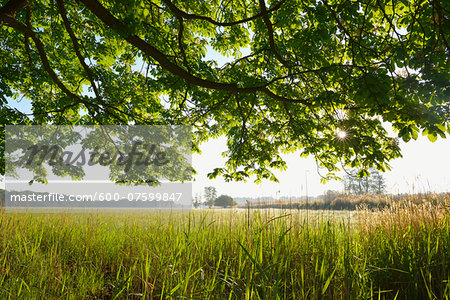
{"x": 401, "y": 252}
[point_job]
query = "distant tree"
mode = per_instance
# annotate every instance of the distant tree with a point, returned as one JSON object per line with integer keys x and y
{"x": 330, "y": 195}
{"x": 210, "y": 195}
{"x": 224, "y": 201}
{"x": 353, "y": 184}
{"x": 375, "y": 183}
{"x": 378, "y": 185}
{"x": 197, "y": 201}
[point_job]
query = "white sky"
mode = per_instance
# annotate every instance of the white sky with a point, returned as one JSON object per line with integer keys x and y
{"x": 424, "y": 167}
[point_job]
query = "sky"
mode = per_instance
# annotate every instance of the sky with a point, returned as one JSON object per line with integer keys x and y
{"x": 424, "y": 167}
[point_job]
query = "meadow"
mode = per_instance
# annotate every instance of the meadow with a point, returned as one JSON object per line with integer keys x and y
{"x": 399, "y": 251}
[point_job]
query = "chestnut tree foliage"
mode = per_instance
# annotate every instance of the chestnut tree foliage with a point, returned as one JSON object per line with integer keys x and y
{"x": 320, "y": 76}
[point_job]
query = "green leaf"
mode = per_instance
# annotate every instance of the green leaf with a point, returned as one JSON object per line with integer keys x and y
{"x": 288, "y": 88}
{"x": 363, "y": 173}
{"x": 432, "y": 137}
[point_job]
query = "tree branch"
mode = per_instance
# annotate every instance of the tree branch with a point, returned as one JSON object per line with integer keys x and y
{"x": 269, "y": 93}
{"x": 12, "y": 7}
{"x": 76, "y": 47}
{"x": 441, "y": 22}
{"x": 106, "y": 17}
{"x": 6, "y": 20}
{"x": 28, "y": 24}
{"x": 185, "y": 15}
{"x": 269, "y": 26}
{"x": 11, "y": 22}
{"x": 180, "y": 42}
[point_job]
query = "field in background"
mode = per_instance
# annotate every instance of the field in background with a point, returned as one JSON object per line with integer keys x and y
{"x": 401, "y": 250}
{"x": 340, "y": 201}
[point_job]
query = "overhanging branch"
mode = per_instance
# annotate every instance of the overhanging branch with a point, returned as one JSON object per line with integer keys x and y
{"x": 76, "y": 47}
{"x": 108, "y": 19}
{"x": 11, "y": 22}
{"x": 269, "y": 26}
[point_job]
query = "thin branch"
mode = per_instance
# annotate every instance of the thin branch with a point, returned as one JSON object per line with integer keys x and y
{"x": 28, "y": 24}
{"x": 269, "y": 26}
{"x": 8, "y": 21}
{"x": 76, "y": 47}
{"x": 11, "y": 22}
{"x": 214, "y": 107}
{"x": 441, "y": 21}
{"x": 106, "y": 17}
{"x": 185, "y": 15}
{"x": 180, "y": 42}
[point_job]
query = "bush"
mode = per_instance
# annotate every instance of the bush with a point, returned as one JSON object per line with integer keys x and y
{"x": 224, "y": 201}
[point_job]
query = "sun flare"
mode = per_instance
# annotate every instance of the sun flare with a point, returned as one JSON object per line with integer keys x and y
{"x": 341, "y": 134}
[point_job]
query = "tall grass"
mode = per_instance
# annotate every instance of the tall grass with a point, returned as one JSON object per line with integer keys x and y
{"x": 401, "y": 252}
